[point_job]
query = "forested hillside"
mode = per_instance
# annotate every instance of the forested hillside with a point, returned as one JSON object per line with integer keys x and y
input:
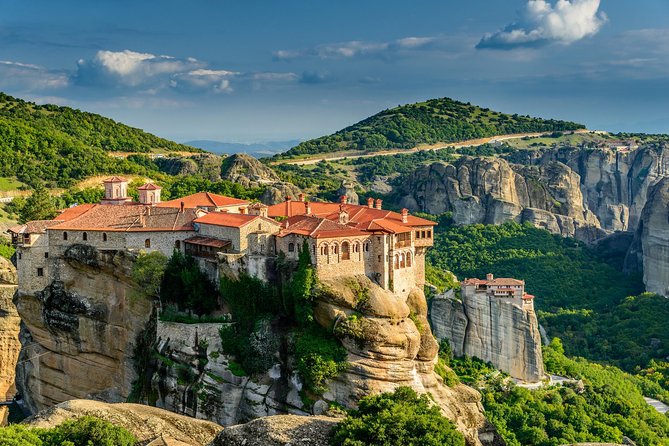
{"x": 429, "y": 122}
{"x": 60, "y": 145}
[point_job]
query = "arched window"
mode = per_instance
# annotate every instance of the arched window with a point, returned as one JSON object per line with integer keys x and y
{"x": 408, "y": 259}
{"x": 84, "y": 236}
{"x": 397, "y": 261}
{"x": 356, "y": 247}
{"x": 259, "y": 226}
{"x": 345, "y": 251}
{"x": 335, "y": 249}
{"x": 324, "y": 249}
{"x": 291, "y": 247}
{"x": 64, "y": 235}
{"x": 402, "y": 261}
{"x": 313, "y": 249}
{"x": 366, "y": 247}
{"x": 177, "y": 244}
{"x": 104, "y": 236}
{"x": 147, "y": 243}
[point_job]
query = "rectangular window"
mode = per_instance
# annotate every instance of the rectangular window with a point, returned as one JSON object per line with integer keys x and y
{"x": 417, "y": 234}
{"x": 46, "y": 255}
{"x": 40, "y": 272}
{"x": 429, "y": 234}
{"x": 379, "y": 259}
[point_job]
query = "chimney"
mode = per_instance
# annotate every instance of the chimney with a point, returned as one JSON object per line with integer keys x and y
{"x": 307, "y": 207}
{"x": 378, "y": 203}
{"x": 288, "y": 198}
{"x": 405, "y": 215}
{"x": 342, "y": 199}
{"x": 300, "y": 197}
{"x": 370, "y": 203}
{"x": 242, "y": 210}
{"x": 181, "y": 208}
{"x": 489, "y": 277}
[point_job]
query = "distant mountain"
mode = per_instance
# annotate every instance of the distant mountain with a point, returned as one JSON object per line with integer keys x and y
{"x": 257, "y": 150}
{"x": 434, "y": 121}
{"x": 61, "y": 145}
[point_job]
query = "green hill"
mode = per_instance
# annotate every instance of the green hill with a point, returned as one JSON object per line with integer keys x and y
{"x": 429, "y": 122}
{"x": 61, "y": 145}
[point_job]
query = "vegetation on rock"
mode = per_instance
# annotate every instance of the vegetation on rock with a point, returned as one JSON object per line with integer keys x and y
{"x": 436, "y": 120}
{"x": 398, "y": 418}
{"x": 84, "y": 431}
{"x": 185, "y": 286}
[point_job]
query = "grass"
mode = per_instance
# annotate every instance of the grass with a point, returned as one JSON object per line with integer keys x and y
{"x": 9, "y": 184}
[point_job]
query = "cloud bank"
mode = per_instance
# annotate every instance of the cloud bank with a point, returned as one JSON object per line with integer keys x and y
{"x": 542, "y": 23}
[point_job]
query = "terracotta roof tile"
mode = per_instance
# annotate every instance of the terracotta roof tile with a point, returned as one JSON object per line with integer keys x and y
{"x": 149, "y": 186}
{"x": 134, "y": 218}
{"x": 115, "y": 180}
{"x": 202, "y": 199}
{"x": 208, "y": 241}
{"x": 318, "y": 227}
{"x": 230, "y": 220}
{"x": 33, "y": 227}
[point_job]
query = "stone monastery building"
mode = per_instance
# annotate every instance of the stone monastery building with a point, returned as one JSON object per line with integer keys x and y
{"x": 511, "y": 290}
{"x": 342, "y": 238}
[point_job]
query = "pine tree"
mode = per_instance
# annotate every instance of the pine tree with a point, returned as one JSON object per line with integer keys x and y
{"x": 39, "y": 206}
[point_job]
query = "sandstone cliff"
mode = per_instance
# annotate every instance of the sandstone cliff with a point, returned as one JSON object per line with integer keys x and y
{"x": 281, "y": 430}
{"x": 650, "y": 249}
{"x": 249, "y": 172}
{"x": 80, "y": 331}
{"x": 493, "y": 330}
{"x": 390, "y": 344}
{"x": 577, "y": 192}
{"x": 9, "y": 335}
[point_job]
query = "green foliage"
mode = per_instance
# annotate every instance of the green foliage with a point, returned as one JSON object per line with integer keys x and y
{"x": 398, "y": 418}
{"x": 38, "y": 206}
{"x": 6, "y": 248}
{"x": 581, "y": 297}
{"x": 73, "y": 197}
{"x": 148, "y": 271}
{"x": 190, "y": 184}
{"x": 368, "y": 169}
{"x": 84, "y": 431}
{"x": 436, "y": 120}
{"x": 185, "y": 286}
{"x": 60, "y": 145}
{"x": 301, "y": 286}
{"x": 609, "y": 405}
{"x": 441, "y": 279}
{"x": 319, "y": 357}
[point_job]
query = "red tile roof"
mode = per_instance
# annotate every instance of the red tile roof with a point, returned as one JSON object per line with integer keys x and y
{"x": 363, "y": 218}
{"x": 33, "y": 227}
{"x": 149, "y": 186}
{"x": 502, "y": 281}
{"x": 115, "y": 180}
{"x": 318, "y": 227}
{"x": 133, "y": 218}
{"x": 208, "y": 241}
{"x": 230, "y": 220}
{"x": 203, "y": 200}
{"x": 73, "y": 212}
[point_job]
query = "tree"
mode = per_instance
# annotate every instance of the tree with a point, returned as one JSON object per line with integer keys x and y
{"x": 148, "y": 271}
{"x": 39, "y": 206}
{"x": 398, "y": 418}
{"x": 87, "y": 431}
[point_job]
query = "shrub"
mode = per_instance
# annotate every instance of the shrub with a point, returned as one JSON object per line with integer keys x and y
{"x": 398, "y": 418}
{"x": 148, "y": 271}
{"x": 319, "y": 357}
{"x": 84, "y": 431}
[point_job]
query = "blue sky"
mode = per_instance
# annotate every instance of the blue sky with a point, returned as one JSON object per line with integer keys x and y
{"x": 267, "y": 70}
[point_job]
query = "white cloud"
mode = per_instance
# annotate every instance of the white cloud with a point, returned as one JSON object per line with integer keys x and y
{"x": 25, "y": 77}
{"x": 565, "y": 22}
{"x": 356, "y": 48}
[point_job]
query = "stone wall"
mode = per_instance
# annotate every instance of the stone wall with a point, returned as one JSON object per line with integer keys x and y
{"x": 492, "y": 329}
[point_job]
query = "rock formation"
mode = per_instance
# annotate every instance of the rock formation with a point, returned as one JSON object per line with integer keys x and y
{"x": 650, "y": 249}
{"x": 205, "y": 164}
{"x": 249, "y": 172}
{"x": 9, "y": 335}
{"x": 390, "y": 344}
{"x": 577, "y": 192}
{"x": 279, "y": 430}
{"x": 493, "y": 330}
{"x": 146, "y": 423}
{"x": 80, "y": 331}
{"x": 347, "y": 190}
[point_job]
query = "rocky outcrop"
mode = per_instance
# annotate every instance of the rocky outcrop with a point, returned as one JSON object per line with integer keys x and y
{"x": 492, "y": 329}
{"x": 390, "y": 344}
{"x": 279, "y": 430}
{"x": 80, "y": 331}
{"x": 492, "y": 191}
{"x": 580, "y": 192}
{"x": 9, "y": 335}
{"x": 146, "y": 423}
{"x": 205, "y": 164}
{"x": 249, "y": 172}
{"x": 650, "y": 249}
{"x": 347, "y": 190}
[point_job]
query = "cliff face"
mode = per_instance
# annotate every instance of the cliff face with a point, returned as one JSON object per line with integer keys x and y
{"x": 583, "y": 193}
{"x": 493, "y": 330}
{"x": 650, "y": 249}
{"x": 81, "y": 329}
{"x": 390, "y": 344}
{"x": 249, "y": 172}
{"x": 9, "y": 335}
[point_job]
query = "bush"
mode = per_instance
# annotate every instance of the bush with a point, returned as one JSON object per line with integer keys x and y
{"x": 148, "y": 271}
{"x": 186, "y": 286}
{"x": 398, "y": 418}
{"x": 84, "y": 431}
{"x": 320, "y": 357}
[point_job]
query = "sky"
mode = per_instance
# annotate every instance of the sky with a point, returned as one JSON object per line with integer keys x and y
{"x": 253, "y": 71}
